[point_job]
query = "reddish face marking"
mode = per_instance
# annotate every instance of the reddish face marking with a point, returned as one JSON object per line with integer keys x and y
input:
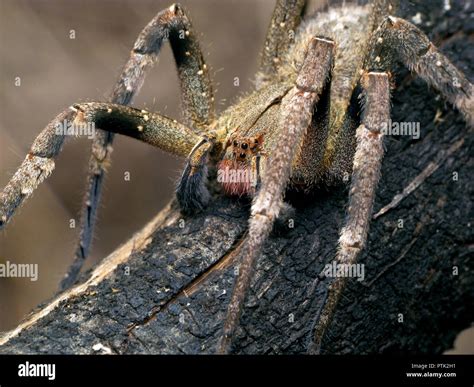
{"x": 235, "y": 177}
{"x": 236, "y": 174}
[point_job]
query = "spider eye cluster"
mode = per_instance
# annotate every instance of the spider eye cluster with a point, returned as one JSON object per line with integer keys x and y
{"x": 244, "y": 148}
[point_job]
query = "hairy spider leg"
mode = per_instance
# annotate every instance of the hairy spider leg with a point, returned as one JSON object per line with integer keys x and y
{"x": 394, "y": 39}
{"x": 297, "y": 111}
{"x": 399, "y": 39}
{"x": 365, "y": 176}
{"x": 280, "y": 36}
{"x": 154, "y": 129}
{"x": 197, "y": 98}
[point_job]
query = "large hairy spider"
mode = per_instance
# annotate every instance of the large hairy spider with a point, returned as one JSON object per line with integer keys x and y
{"x": 318, "y": 114}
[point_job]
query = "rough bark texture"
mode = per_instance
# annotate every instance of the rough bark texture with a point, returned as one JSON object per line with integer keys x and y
{"x": 166, "y": 290}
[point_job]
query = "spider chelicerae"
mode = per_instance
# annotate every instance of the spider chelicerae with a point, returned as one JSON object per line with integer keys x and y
{"x": 302, "y": 127}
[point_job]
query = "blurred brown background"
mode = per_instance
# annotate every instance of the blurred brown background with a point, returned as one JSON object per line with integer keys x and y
{"x": 57, "y": 71}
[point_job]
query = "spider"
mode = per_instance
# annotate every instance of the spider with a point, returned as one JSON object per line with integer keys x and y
{"x": 301, "y": 128}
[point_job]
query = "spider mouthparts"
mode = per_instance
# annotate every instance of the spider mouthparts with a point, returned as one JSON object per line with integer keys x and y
{"x": 237, "y": 178}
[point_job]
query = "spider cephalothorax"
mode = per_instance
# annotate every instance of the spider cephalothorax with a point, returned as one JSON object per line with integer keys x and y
{"x": 317, "y": 115}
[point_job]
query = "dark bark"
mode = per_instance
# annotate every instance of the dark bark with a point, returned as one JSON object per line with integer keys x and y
{"x": 180, "y": 278}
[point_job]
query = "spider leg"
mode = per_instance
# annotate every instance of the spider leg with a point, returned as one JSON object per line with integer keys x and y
{"x": 401, "y": 39}
{"x": 191, "y": 191}
{"x": 36, "y": 167}
{"x": 170, "y": 24}
{"x": 297, "y": 110}
{"x": 280, "y": 35}
{"x": 154, "y": 129}
{"x": 365, "y": 176}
